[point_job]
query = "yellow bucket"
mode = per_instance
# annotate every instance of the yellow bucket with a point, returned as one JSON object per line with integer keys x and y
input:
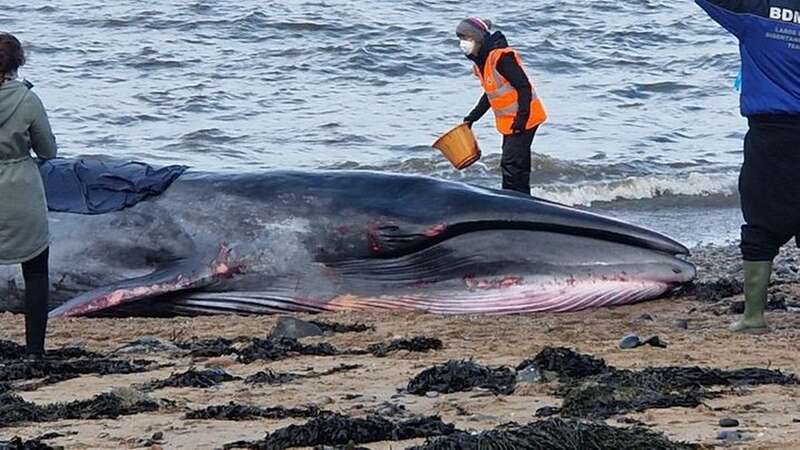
{"x": 459, "y": 146}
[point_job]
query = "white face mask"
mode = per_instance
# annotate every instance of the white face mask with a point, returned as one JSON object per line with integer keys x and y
{"x": 467, "y": 46}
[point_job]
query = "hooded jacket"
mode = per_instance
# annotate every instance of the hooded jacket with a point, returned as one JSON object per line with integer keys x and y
{"x": 511, "y": 71}
{"x": 769, "y": 42}
{"x": 23, "y": 211}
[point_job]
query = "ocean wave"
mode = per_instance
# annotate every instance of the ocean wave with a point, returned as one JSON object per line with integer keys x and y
{"x": 578, "y": 184}
{"x": 692, "y": 184}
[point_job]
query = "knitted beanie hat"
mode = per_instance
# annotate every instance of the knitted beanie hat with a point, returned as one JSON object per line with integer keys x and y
{"x": 474, "y": 28}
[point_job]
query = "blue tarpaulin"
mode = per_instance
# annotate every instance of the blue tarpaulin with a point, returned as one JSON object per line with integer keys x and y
{"x": 92, "y": 186}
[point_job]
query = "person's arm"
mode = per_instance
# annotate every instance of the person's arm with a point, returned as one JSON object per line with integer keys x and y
{"x": 511, "y": 71}
{"x": 730, "y": 13}
{"x": 42, "y": 139}
{"x": 479, "y": 110}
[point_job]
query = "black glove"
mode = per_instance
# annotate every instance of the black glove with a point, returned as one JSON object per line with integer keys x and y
{"x": 469, "y": 121}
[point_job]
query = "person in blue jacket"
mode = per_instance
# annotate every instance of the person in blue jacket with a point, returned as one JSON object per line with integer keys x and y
{"x": 769, "y": 183}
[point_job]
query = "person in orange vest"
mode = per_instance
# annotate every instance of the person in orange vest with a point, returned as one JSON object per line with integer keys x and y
{"x": 508, "y": 91}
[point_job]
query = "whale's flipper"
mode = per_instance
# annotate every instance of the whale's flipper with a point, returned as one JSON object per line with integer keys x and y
{"x": 183, "y": 275}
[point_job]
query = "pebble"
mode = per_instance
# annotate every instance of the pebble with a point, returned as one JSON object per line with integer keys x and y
{"x": 103, "y": 435}
{"x": 680, "y": 324}
{"x": 630, "y": 341}
{"x": 727, "y": 422}
{"x": 645, "y": 317}
{"x": 431, "y": 394}
{"x": 325, "y": 400}
{"x": 158, "y": 435}
{"x": 294, "y": 328}
{"x": 482, "y": 418}
{"x": 729, "y": 436}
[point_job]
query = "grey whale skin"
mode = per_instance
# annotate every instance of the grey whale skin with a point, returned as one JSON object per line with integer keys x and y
{"x": 295, "y": 241}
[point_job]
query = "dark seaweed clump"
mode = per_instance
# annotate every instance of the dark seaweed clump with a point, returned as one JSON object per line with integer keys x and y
{"x": 592, "y": 389}
{"x": 565, "y": 362}
{"x": 192, "y": 378}
{"x": 337, "y": 429}
{"x": 420, "y": 344}
{"x": 273, "y": 378}
{"x": 235, "y": 411}
{"x": 716, "y": 290}
{"x": 622, "y": 391}
{"x": 277, "y": 349}
{"x": 459, "y": 376}
{"x": 13, "y": 351}
{"x": 18, "y": 443}
{"x": 208, "y": 348}
{"x": 14, "y": 409}
{"x": 335, "y": 327}
{"x": 278, "y": 378}
{"x": 556, "y": 434}
{"x": 30, "y": 369}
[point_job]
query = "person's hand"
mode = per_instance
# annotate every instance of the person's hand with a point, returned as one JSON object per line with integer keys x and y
{"x": 468, "y": 122}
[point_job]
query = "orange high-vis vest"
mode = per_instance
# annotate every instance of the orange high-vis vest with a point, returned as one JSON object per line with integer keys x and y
{"x": 503, "y": 97}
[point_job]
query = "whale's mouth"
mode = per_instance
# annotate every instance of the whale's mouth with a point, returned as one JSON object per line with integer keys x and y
{"x": 388, "y": 241}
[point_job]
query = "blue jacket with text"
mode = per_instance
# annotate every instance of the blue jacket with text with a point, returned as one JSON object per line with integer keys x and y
{"x": 769, "y": 41}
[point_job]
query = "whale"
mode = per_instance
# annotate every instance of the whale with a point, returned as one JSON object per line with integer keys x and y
{"x": 285, "y": 241}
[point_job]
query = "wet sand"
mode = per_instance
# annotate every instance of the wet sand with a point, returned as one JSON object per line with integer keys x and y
{"x": 769, "y": 416}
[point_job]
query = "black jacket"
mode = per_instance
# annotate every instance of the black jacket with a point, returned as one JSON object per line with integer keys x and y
{"x": 511, "y": 71}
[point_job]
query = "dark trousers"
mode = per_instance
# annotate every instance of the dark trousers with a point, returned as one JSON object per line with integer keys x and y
{"x": 37, "y": 288}
{"x": 769, "y": 186}
{"x": 516, "y": 161}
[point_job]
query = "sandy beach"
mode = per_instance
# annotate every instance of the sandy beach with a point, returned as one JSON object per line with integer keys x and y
{"x": 693, "y": 324}
{"x": 768, "y": 415}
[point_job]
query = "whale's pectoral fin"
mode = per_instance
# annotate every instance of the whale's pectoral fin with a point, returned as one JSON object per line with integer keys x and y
{"x": 183, "y": 275}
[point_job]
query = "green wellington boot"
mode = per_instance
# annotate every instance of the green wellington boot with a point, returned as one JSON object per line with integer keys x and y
{"x": 756, "y": 281}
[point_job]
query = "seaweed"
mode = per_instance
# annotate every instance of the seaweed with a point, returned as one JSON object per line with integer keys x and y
{"x": 335, "y": 327}
{"x": 278, "y": 378}
{"x": 41, "y": 368}
{"x": 17, "y": 443}
{"x": 235, "y": 411}
{"x": 14, "y": 409}
{"x": 192, "y": 378}
{"x": 13, "y": 351}
{"x": 277, "y": 349}
{"x": 556, "y": 434}
{"x": 621, "y": 391}
{"x": 416, "y": 344}
{"x": 337, "y": 429}
{"x": 566, "y": 363}
{"x": 212, "y": 348}
{"x": 590, "y": 388}
{"x": 459, "y": 376}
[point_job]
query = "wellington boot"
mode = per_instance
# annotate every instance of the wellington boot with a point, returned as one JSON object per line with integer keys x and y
{"x": 756, "y": 281}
